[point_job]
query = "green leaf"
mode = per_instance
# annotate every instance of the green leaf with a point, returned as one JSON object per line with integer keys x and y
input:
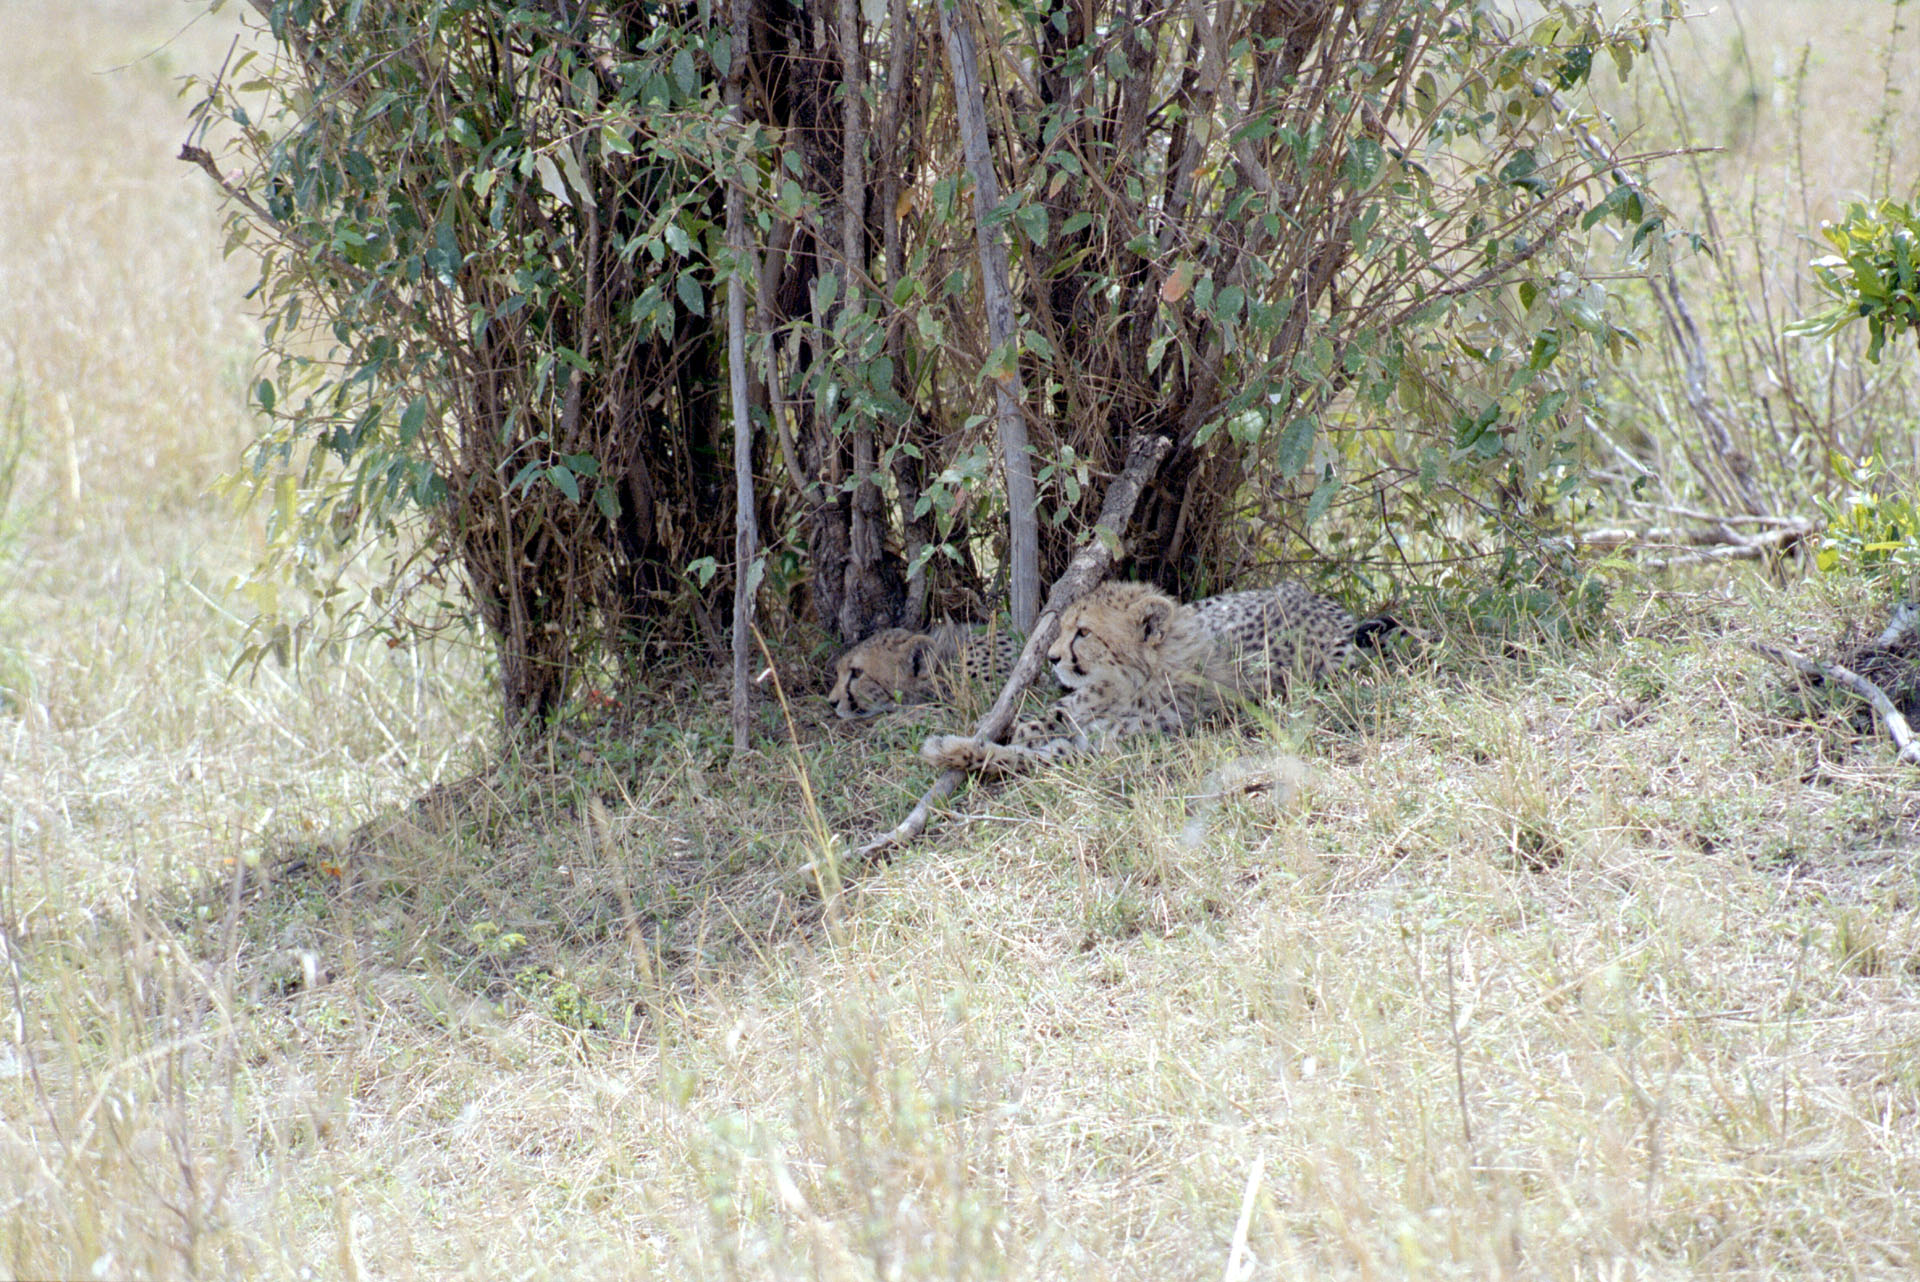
{"x": 549, "y": 175}
{"x": 564, "y": 481}
{"x": 1296, "y": 446}
{"x": 691, "y": 296}
{"x": 1322, "y": 498}
{"x": 412, "y": 419}
{"x": 1002, "y": 364}
{"x": 1033, "y": 221}
{"x": 1156, "y": 350}
{"x": 265, "y": 395}
{"x": 607, "y": 501}
{"x": 1322, "y": 355}
{"x": 570, "y": 165}
{"x": 683, "y": 72}
{"x": 523, "y": 478}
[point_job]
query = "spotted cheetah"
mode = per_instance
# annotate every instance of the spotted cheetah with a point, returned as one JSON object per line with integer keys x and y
{"x": 899, "y": 666}
{"x": 1136, "y": 661}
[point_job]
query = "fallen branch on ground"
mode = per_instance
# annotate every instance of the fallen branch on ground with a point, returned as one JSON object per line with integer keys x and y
{"x": 1747, "y": 549}
{"x": 1091, "y": 563}
{"x": 1905, "y": 622}
{"x": 1719, "y": 544}
{"x": 1890, "y": 716}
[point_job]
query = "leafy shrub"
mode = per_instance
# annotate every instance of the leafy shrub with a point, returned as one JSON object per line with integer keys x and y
{"x": 1873, "y": 530}
{"x": 1874, "y": 277}
{"x": 1337, "y": 254}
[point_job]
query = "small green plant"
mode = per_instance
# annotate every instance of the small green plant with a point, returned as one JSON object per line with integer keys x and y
{"x": 490, "y": 941}
{"x": 1873, "y": 277}
{"x": 1859, "y": 944}
{"x": 1874, "y": 529}
{"x": 562, "y": 999}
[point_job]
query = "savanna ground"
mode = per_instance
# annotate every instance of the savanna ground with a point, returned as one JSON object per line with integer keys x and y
{"x": 1596, "y": 958}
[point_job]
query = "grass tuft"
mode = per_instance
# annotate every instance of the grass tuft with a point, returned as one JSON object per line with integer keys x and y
{"x": 1508, "y": 957}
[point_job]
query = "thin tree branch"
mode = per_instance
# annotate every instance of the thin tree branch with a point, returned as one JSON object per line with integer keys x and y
{"x": 1890, "y": 716}
{"x": 746, "y": 532}
{"x": 204, "y": 159}
{"x": 1091, "y": 563}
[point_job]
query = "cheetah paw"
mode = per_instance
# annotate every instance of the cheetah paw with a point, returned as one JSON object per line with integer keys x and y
{"x": 950, "y": 751}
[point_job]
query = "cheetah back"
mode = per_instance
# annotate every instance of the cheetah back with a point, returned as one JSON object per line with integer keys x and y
{"x": 1261, "y": 638}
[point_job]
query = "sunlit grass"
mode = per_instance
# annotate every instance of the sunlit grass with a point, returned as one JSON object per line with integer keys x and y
{"x": 1551, "y": 961}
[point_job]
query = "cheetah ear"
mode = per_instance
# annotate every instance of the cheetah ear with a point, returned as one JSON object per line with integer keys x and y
{"x": 920, "y": 657}
{"x": 1154, "y": 617}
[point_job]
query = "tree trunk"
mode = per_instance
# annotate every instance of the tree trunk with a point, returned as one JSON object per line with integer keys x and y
{"x": 746, "y": 537}
{"x": 1016, "y": 460}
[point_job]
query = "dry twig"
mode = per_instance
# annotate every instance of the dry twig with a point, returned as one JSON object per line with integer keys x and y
{"x": 1890, "y": 716}
{"x": 1751, "y": 548}
{"x": 1090, "y": 564}
{"x": 1720, "y": 544}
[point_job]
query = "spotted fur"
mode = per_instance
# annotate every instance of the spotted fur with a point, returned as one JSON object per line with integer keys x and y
{"x": 898, "y": 666}
{"x": 1135, "y": 661}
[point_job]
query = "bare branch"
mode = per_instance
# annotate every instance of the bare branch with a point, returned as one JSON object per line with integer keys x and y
{"x": 1091, "y": 563}
{"x": 1890, "y": 716}
{"x": 1749, "y": 549}
{"x": 1722, "y": 543}
{"x": 204, "y": 159}
{"x": 746, "y": 536}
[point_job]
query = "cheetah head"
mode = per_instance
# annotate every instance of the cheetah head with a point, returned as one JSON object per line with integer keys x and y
{"x": 888, "y": 667}
{"x": 1116, "y": 634}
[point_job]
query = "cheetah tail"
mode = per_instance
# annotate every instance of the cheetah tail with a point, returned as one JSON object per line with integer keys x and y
{"x": 1371, "y": 632}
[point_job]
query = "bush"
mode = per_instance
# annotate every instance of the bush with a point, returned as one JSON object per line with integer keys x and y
{"x": 1875, "y": 277}
{"x": 1335, "y": 253}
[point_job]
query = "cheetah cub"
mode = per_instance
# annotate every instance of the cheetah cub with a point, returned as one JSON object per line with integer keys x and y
{"x": 898, "y": 666}
{"x": 1136, "y": 661}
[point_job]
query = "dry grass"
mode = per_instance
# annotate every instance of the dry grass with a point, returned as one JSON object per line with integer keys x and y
{"x": 1599, "y": 961}
{"x": 1779, "y": 115}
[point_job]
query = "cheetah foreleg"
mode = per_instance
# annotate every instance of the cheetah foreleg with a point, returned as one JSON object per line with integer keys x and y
{"x": 958, "y": 752}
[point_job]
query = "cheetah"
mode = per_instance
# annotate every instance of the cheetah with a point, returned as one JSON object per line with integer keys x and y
{"x": 899, "y": 666}
{"x": 1135, "y": 661}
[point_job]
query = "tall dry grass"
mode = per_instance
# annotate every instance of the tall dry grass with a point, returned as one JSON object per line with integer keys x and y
{"x": 1778, "y": 115}
{"x": 1570, "y": 963}
{"x": 130, "y": 765}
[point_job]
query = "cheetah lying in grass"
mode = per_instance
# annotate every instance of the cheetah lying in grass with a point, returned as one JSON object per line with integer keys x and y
{"x": 1136, "y": 661}
{"x": 898, "y": 666}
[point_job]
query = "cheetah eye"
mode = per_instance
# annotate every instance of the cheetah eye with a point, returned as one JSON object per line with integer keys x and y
{"x": 853, "y": 674}
{"x": 1080, "y": 632}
